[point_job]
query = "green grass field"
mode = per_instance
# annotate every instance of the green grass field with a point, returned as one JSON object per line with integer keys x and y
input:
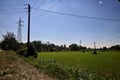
{"x": 103, "y": 63}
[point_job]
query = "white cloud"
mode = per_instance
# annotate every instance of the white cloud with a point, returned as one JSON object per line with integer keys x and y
{"x": 100, "y": 2}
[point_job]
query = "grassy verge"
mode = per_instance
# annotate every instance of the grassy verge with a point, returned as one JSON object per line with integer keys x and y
{"x": 6, "y": 67}
{"x": 12, "y": 67}
{"x": 61, "y": 71}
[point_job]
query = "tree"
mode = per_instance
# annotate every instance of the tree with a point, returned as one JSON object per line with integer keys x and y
{"x": 104, "y": 48}
{"x": 52, "y": 47}
{"x": 9, "y": 42}
{"x": 116, "y": 47}
{"x": 74, "y": 47}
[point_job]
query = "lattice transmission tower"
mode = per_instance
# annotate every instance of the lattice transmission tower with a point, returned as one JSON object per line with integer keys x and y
{"x": 19, "y": 34}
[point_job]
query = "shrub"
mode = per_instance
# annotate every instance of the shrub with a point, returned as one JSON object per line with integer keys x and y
{"x": 22, "y": 52}
{"x": 31, "y": 51}
{"x": 9, "y": 42}
{"x": 94, "y": 51}
{"x": 28, "y": 52}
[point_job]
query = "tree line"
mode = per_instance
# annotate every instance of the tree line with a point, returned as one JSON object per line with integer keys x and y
{"x": 9, "y": 42}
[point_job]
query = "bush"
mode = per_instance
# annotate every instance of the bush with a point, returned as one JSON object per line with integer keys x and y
{"x": 9, "y": 42}
{"x": 31, "y": 51}
{"x": 94, "y": 51}
{"x": 28, "y": 52}
{"x": 22, "y": 52}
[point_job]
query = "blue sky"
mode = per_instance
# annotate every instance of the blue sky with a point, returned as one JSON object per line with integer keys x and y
{"x": 64, "y": 29}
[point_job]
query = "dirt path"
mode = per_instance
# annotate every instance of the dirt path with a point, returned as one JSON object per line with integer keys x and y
{"x": 12, "y": 68}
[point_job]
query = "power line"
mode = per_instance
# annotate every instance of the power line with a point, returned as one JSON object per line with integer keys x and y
{"x": 7, "y": 26}
{"x": 35, "y": 3}
{"x": 9, "y": 10}
{"x": 61, "y": 13}
{"x": 50, "y": 7}
{"x": 54, "y": 4}
{"x": 41, "y": 4}
{"x": 38, "y": 7}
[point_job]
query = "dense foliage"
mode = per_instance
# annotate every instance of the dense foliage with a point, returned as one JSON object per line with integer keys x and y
{"x": 74, "y": 47}
{"x": 9, "y": 42}
{"x": 116, "y": 47}
{"x": 28, "y": 52}
{"x": 48, "y": 47}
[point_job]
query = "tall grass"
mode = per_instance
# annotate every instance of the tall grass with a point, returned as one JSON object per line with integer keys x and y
{"x": 61, "y": 71}
{"x": 105, "y": 64}
{"x": 102, "y": 63}
{"x": 67, "y": 72}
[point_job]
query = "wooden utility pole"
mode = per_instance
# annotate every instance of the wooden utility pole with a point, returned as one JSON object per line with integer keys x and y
{"x": 29, "y": 9}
